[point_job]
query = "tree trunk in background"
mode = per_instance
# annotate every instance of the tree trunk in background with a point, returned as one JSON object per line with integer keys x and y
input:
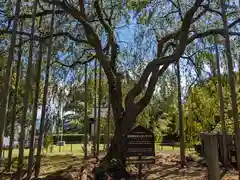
{"x": 15, "y": 101}
{"x": 108, "y": 122}
{"x": 34, "y": 114}
{"x": 8, "y": 77}
{"x": 221, "y": 106}
{"x": 95, "y": 108}
{"x": 180, "y": 116}
{"x": 238, "y": 68}
{"x": 86, "y": 113}
{"x": 45, "y": 93}
{"x": 231, "y": 76}
{"x": 99, "y": 109}
{"x": 27, "y": 90}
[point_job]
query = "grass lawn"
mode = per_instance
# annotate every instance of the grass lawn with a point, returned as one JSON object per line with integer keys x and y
{"x": 58, "y": 158}
{"x": 67, "y": 149}
{"x": 76, "y": 148}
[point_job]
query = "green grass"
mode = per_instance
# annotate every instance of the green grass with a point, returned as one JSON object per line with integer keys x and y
{"x": 58, "y": 158}
{"x": 52, "y": 163}
{"x": 75, "y": 149}
{"x": 166, "y": 148}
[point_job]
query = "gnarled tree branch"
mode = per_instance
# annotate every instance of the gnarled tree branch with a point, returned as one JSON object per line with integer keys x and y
{"x": 39, "y": 14}
{"x": 144, "y": 101}
{"x": 75, "y": 63}
{"x": 182, "y": 34}
{"x": 66, "y": 34}
{"x": 89, "y": 32}
{"x": 111, "y": 38}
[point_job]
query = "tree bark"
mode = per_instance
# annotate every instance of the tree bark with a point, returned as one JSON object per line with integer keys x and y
{"x": 211, "y": 153}
{"x": 122, "y": 125}
{"x": 180, "y": 117}
{"x": 108, "y": 122}
{"x": 14, "y": 110}
{"x": 99, "y": 109}
{"x": 86, "y": 115}
{"x": 34, "y": 115}
{"x": 221, "y": 106}
{"x": 27, "y": 89}
{"x": 95, "y": 108}
{"x": 45, "y": 93}
{"x": 8, "y": 77}
{"x": 231, "y": 76}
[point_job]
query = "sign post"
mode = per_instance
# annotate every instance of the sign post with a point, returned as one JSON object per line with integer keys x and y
{"x": 139, "y": 147}
{"x": 139, "y": 168}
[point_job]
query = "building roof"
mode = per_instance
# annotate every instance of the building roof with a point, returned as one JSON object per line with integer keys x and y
{"x": 103, "y": 112}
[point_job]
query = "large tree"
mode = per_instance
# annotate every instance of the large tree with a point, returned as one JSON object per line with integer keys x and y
{"x": 99, "y": 35}
{"x": 125, "y": 116}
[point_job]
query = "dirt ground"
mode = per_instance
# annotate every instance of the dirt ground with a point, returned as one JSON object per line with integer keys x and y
{"x": 167, "y": 168}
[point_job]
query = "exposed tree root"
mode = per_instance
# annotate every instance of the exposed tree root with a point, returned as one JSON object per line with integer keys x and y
{"x": 84, "y": 173}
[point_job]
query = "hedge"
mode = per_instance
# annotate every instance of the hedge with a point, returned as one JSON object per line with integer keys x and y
{"x": 74, "y": 138}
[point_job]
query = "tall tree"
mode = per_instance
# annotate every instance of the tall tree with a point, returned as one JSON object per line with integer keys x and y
{"x": 27, "y": 91}
{"x": 95, "y": 108}
{"x": 221, "y": 105}
{"x": 99, "y": 108}
{"x": 8, "y": 76}
{"x": 34, "y": 113}
{"x": 231, "y": 76}
{"x": 85, "y": 112}
{"x": 45, "y": 94}
{"x": 108, "y": 122}
{"x": 14, "y": 108}
{"x": 180, "y": 116}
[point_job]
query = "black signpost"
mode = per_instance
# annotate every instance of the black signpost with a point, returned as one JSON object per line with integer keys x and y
{"x": 139, "y": 147}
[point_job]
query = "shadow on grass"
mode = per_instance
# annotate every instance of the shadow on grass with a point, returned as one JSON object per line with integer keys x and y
{"x": 56, "y": 162}
{"x": 52, "y": 163}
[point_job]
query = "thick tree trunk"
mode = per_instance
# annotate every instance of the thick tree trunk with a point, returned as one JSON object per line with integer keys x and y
{"x": 112, "y": 150}
{"x": 116, "y": 149}
{"x": 123, "y": 125}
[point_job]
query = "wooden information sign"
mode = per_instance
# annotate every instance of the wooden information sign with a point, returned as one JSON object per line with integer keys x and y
{"x": 139, "y": 147}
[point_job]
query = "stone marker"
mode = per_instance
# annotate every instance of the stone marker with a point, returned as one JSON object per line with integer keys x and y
{"x": 211, "y": 155}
